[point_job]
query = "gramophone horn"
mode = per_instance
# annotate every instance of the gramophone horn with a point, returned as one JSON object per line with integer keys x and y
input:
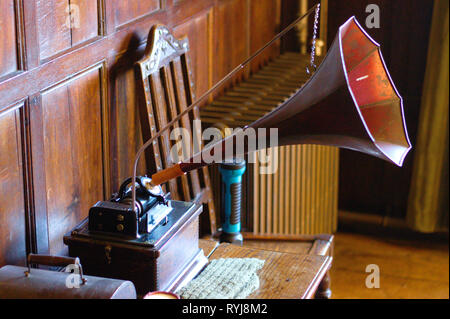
{"x": 349, "y": 102}
{"x": 369, "y": 116}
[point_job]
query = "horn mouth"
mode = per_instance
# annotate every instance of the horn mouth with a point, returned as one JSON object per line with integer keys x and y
{"x": 374, "y": 94}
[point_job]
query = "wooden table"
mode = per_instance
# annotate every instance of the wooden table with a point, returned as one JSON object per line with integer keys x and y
{"x": 285, "y": 275}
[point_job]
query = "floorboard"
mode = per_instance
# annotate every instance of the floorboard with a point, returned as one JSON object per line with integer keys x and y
{"x": 408, "y": 268}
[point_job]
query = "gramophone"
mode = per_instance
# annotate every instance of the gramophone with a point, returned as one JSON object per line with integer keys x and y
{"x": 368, "y": 118}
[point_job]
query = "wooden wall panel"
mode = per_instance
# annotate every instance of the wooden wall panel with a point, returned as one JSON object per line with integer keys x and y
{"x": 63, "y": 24}
{"x": 54, "y": 36}
{"x": 72, "y": 153}
{"x": 8, "y": 38}
{"x": 264, "y": 24}
{"x": 127, "y": 11}
{"x": 232, "y": 36}
{"x": 126, "y": 119}
{"x": 198, "y": 31}
{"x": 12, "y": 199}
{"x": 88, "y": 26}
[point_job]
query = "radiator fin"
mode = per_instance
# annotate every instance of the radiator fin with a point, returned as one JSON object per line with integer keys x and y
{"x": 301, "y": 196}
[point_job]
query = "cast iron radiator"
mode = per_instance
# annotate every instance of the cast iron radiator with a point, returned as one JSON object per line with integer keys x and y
{"x": 300, "y": 198}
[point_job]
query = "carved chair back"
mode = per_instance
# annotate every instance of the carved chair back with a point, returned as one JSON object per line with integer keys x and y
{"x": 168, "y": 86}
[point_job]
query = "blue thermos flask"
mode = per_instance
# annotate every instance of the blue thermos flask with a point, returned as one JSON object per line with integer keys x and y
{"x": 231, "y": 197}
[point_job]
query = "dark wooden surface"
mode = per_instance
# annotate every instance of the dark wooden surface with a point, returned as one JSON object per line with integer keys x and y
{"x": 284, "y": 275}
{"x": 69, "y": 99}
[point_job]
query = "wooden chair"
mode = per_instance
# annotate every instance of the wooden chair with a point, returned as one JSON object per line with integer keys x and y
{"x": 168, "y": 86}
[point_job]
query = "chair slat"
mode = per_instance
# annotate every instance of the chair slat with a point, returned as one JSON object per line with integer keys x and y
{"x": 161, "y": 117}
{"x": 180, "y": 94}
{"x": 152, "y": 123}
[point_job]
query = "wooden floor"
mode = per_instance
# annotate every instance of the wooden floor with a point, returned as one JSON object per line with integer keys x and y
{"x": 408, "y": 268}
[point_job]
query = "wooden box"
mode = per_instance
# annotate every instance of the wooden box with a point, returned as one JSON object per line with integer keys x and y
{"x": 162, "y": 260}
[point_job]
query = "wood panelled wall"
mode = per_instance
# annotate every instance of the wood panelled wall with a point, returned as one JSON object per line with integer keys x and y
{"x": 69, "y": 100}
